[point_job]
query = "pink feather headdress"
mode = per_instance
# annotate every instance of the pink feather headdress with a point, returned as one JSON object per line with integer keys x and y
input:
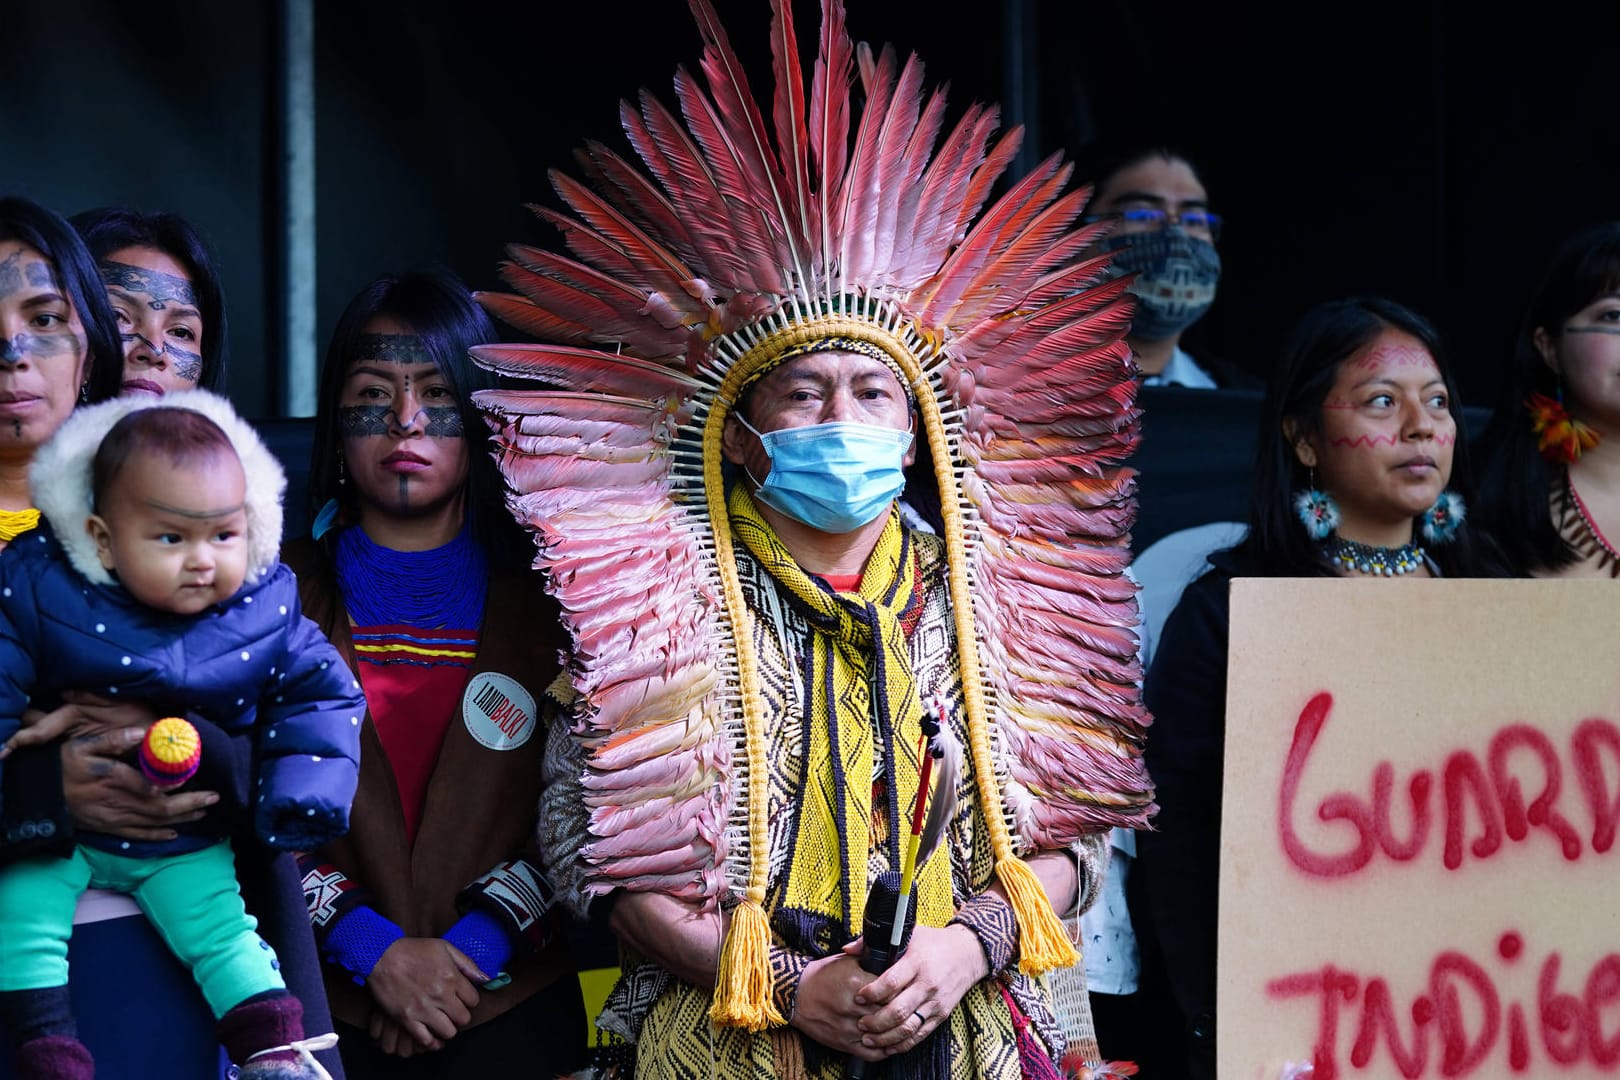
{"x": 690, "y": 275}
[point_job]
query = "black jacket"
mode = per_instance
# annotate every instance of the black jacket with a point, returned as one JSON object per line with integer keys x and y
{"x": 1176, "y": 880}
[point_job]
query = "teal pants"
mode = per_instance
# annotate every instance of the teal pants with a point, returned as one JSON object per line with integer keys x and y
{"x": 191, "y": 899}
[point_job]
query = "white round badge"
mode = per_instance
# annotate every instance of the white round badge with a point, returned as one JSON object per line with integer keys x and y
{"x": 498, "y": 711}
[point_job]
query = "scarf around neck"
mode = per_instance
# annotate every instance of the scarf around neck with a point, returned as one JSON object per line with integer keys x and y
{"x": 861, "y": 706}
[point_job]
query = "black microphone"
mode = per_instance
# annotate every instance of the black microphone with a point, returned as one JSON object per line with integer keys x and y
{"x": 879, "y": 953}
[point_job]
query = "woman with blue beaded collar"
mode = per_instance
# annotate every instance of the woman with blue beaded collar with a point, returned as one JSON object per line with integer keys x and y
{"x": 431, "y": 914}
{"x": 1361, "y": 471}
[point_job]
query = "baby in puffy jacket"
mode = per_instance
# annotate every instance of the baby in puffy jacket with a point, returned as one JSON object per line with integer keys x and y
{"x": 154, "y": 577}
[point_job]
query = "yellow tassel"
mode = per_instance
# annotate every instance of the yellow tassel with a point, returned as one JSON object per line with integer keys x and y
{"x": 1043, "y": 943}
{"x": 742, "y": 986}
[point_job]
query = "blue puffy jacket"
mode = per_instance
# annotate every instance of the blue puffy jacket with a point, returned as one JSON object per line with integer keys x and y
{"x": 252, "y": 665}
{"x": 251, "y": 662}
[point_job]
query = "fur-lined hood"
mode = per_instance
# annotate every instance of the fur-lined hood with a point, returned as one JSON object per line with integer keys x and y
{"x": 60, "y": 477}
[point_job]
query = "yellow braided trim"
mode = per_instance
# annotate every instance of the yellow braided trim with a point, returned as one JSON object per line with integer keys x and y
{"x": 415, "y": 649}
{"x": 780, "y": 345}
{"x": 742, "y": 982}
{"x": 1043, "y": 944}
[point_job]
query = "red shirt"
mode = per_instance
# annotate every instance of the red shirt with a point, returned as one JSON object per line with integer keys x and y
{"x": 844, "y": 582}
{"x": 413, "y": 680}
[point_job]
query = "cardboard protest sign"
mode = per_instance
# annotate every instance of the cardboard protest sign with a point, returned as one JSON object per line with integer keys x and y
{"x": 1418, "y": 867}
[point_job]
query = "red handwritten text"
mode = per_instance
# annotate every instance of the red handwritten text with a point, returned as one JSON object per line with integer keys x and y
{"x": 1460, "y": 1024}
{"x": 1489, "y": 793}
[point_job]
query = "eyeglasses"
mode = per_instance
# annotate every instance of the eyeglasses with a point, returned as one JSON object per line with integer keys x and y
{"x": 1153, "y": 219}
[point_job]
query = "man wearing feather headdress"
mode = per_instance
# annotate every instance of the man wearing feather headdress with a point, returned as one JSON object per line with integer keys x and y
{"x": 749, "y": 342}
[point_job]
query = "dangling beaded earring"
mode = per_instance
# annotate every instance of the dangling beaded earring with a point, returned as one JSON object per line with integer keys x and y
{"x": 84, "y": 393}
{"x": 1442, "y": 520}
{"x": 328, "y": 515}
{"x": 1562, "y": 437}
{"x": 1317, "y": 511}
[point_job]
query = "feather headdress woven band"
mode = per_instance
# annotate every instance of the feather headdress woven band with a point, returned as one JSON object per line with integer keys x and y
{"x": 734, "y": 243}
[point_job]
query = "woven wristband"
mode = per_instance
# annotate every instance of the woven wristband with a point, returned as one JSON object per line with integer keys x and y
{"x": 992, "y": 921}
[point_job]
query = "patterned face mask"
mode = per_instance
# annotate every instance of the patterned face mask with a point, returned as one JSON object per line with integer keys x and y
{"x": 1175, "y": 281}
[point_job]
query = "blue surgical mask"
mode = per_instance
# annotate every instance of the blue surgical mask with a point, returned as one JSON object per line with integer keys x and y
{"x": 833, "y": 477}
{"x": 1175, "y": 280}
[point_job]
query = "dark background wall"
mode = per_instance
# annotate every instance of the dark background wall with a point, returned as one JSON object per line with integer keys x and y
{"x": 1420, "y": 150}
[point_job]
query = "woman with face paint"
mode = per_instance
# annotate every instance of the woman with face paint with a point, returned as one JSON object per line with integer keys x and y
{"x": 165, "y": 294}
{"x": 1361, "y": 472}
{"x": 1551, "y": 483}
{"x": 432, "y": 913}
{"x": 59, "y": 346}
{"x": 57, "y": 342}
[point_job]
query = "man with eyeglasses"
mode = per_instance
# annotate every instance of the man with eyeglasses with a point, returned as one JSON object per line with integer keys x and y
{"x": 1165, "y": 234}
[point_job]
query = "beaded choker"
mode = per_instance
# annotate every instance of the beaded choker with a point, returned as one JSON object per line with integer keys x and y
{"x": 15, "y": 522}
{"x": 1607, "y": 557}
{"x": 441, "y": 588}
{"x": 1379, "y": 561}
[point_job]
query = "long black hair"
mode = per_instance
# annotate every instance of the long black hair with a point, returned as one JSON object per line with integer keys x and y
{"x": 439, "y": 309}
{"x": 1330, "y": 333}
{"x": 46, "y": 232}
{"x": 108, "y": 229}
{"x": 1516, "y": 481}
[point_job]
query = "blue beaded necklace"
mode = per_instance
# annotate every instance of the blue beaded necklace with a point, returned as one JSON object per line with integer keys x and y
{"x": 442, "y": 588}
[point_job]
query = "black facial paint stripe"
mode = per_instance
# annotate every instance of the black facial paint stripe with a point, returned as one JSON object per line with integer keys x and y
{"x": 162, "y": 288}
{"x": 360, "y": 420}
{"x": 391, "y": 349}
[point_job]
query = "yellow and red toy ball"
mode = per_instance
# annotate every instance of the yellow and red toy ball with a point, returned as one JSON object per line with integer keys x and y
{"x": 170, "y": 752}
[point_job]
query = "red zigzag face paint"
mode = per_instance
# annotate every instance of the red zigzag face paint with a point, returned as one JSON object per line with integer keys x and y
{"x": 1387, "y": 437}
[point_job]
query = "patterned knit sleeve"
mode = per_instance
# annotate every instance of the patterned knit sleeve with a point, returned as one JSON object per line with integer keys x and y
{"x": 564, "y": 819}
